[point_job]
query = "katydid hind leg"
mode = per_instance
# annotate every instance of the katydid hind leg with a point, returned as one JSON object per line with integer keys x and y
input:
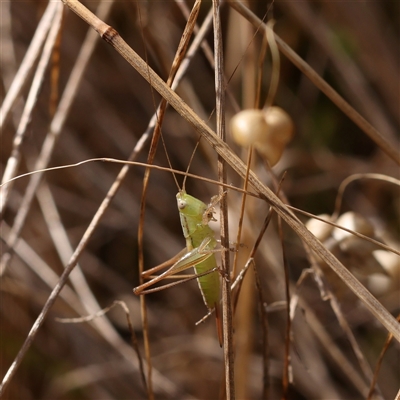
{"x": 188, "y": 260}
{"x": 173, "y": 260}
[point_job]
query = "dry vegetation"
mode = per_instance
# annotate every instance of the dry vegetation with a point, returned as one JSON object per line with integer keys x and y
{"x": 92, "y": 103}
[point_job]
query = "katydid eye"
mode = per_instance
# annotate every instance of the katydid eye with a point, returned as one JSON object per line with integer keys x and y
{"x": 181, "y": 204}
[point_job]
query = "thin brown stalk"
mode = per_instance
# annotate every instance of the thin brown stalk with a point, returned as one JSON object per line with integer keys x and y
{"x": 389, "y": 340}
{"x": 260, "y": 69}
{"x": 7, "y": 55}
{"x": 265, "y": 336}
{"x": 241, "y": 217}
{"x": 238, "y": 286}
{"x": 200, "y": 31}
{"x": 222, "y": 174}
{"x": 276, "y": 64}
{"x": 55, "y": 73}
{"x": 286, "y": 368}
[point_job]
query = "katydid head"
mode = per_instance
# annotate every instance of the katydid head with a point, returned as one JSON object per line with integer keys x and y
{"x": 189, "y": 205}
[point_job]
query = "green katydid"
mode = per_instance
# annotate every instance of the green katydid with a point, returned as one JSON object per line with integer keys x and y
{"x": 199, "y": 253}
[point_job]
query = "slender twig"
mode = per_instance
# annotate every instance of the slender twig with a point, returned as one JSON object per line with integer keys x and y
{"x": 222, "y": 174}
{"x": 386, "y": 345}
{"x": 265, "y": 336}
{"x": 241, "y": 216}
{"x": 286, "y": 368}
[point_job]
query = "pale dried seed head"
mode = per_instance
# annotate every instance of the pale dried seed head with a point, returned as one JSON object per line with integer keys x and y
{"x": 319, "y": 229}
{"x": 280, "y": 125}
{"x": 248, "y": 127}
{"x": 355, "y": 222}
{"x": 347, "y": 241}
{"x": 268, "y": 130}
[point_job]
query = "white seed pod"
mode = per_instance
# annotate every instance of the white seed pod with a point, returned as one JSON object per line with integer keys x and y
{"x": 348, "y": 242}
{"x": 268, "y": 130}
{"x": 319, "y": 229}
{"x": 279, "y": 133}
{"x": 390, "y": 263}
{"x": 280, "y": 125}
{"x": 270, "y": 151}
{"x": 383, "y": 283}
{"x": 379, "y": 284}
{"x": 355, "y": 222}
{"x": 248, "y": 127}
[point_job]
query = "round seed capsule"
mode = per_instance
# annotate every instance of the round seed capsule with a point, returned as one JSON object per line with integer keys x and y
{"x": 267, "y": 130}
{"x": 280, "y": 125}
{"x": 248, "y": 127}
